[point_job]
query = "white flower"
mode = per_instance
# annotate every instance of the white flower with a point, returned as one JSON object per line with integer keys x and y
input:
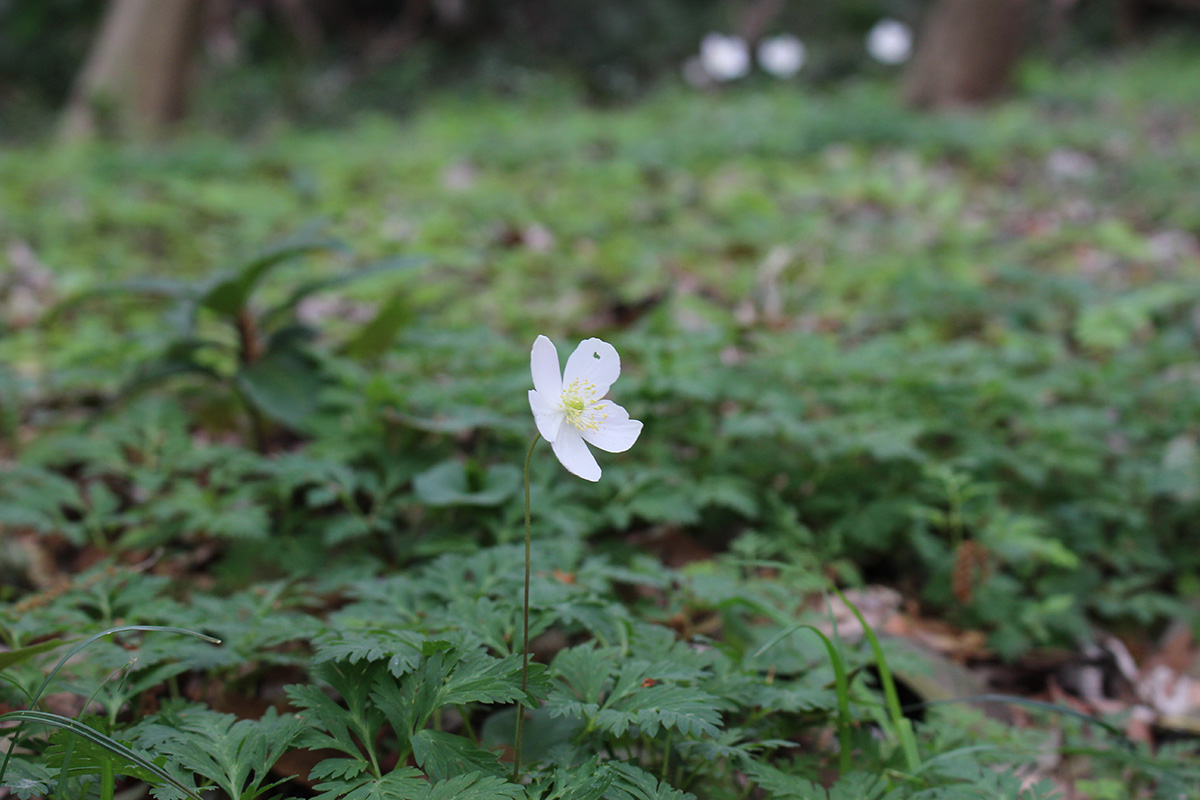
{"x": 889, "y": 42}
{"x": 781, "y": 56}
{"x": 570, "y": 409}
{"x": 725, "y": 58}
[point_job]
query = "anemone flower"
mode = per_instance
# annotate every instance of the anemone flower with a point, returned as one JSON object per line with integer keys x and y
{"x": 725, "y": 58}
{"x": 890, "y": 42}
{"x": 781, "y": 56}
{"x": 570, "y": 409}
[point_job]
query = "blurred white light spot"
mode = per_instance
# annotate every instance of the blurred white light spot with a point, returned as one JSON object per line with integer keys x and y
{"x": 890, "y": 42}
{"x": 781, "y": 56}
{"x": 725, "y": 58}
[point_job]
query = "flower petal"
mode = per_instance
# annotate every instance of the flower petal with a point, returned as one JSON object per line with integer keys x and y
{"x": 549, "y": 418}
{"x": 596, "y": 362}
{"x": 617, "y": 433}
{"x": 574, "y": 454}
{"x": 543, "y": 363}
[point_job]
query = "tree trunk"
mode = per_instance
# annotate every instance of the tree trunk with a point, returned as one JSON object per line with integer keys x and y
{"x": 134, "y": 82}
{"x": 966, "y": 52}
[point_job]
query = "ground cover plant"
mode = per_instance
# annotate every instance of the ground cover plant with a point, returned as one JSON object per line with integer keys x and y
{"x": 951, "y": 356}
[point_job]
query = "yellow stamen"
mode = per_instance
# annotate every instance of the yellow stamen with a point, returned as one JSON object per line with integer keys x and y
{"x": 579, "y": 403}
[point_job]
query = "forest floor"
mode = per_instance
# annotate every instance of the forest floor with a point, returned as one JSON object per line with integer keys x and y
{"x": 274, "y": 390}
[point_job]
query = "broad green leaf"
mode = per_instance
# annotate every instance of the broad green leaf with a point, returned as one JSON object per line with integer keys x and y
{"x": 228, "y": 293}
{"x": 285, "y": 384}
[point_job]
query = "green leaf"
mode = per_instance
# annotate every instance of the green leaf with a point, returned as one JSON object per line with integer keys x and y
{"x": 587, "y": 781}
{"x": 782, "y": 786}
{"x": 444, "y": 755}
{"x": 479, "y": 678}
{"x": 236, "y": 755}
{"x": 731, "y": 492}
{"x": 401, "y": 649}
{"x": 585, "y": 669}
{"x": 688, "y": 710}
{"x": 285, "y": 384}
{"x": 867, "y": 786}
{"x": 406, "y": 783}
{"x": 28, "y": 780}
{"x": 375, "y": 337}
{"x": 228, "y": 293}
{"x": 338, "y": 769}
{"x": 11, "y": 657}
{"x": 1114, "y": 323}
{"x": 638, "y": 696}
{"x": 402, "y": 783}
{"x": 447, "y": 485}
{"x": 328, "y": 723}
{"x": 634, "y": 783}
{"x": 452, "y": 679}
{"x": 473, "y": 787}
{"x": 542, "y": 733}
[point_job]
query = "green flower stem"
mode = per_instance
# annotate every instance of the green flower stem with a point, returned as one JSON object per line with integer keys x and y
{"x": 525, "y": 620}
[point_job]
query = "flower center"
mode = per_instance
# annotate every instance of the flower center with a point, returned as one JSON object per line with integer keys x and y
{"x": 578, "y": 402}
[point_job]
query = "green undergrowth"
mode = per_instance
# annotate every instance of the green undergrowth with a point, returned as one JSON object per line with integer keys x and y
{"x": 955, "y": 355}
